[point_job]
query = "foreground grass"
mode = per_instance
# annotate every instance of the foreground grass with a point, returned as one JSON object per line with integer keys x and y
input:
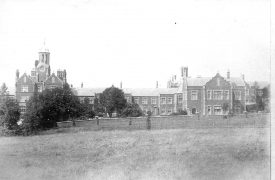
{"x": 158, "y": 154}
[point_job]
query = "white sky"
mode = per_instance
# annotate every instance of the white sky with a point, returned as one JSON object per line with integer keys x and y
{"x": 103, "y": 42}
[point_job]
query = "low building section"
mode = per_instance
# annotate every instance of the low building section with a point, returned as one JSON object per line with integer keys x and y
{"x": 205, "y": 96}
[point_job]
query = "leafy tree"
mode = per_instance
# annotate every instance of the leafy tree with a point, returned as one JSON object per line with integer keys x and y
{"x": 132, "y": 110}
{"x": 50, "y": 106}
{"x": 225, "y": 107}
{"x": 113, "y": 100}
{"x": 98, "y": 107}
{"x": 32, "y": 117}
{"x": 87, "y": 109}
{"x": 9, "y": 114}
{"x": 4, "y": 90}
{"x": 237, "y": 105}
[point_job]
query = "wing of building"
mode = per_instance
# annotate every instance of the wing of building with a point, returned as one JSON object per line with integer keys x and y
{"x": 205, "y": 95}
{"x": 40, "y": 75}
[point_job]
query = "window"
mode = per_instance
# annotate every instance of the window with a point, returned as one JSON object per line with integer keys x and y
{"x": 53, "y": 80}
{"x": 136, "y": 99}
{"x": 25, "y": 79}
{"x": 91, "y": 100}
{"x": 209, "y": 110}
{"x": 217, "y": 95}
{"x": 128, "y": 99}
{"x": 162, "y": 111}
{"x": 169, "y": 110}
{"x": 23, "y": 109}
{"x": 247, "y": 92}
{"x": 218, "y": 82}
{"x": 153, "y": 100}
{"x": 46, "y": 58}
{"x": 24, "y": 88}
{"x": 194, "y": 95}
{"x": 179, "y": 98}
{"x": 217, "y": 110}
{"x": 39, "y": 88}
{"x": 237, "y": 95}
{"x": 169, "y": 100}
{"x": 226, "y": 95}
{"x": 163, "y": 100}
{"x": 144, "y": 101}
{"x": 209, "y": 94}
{"x": 24, "y": 98}
{"x": 33, "y": 73}
{"x": 52, "y": 87}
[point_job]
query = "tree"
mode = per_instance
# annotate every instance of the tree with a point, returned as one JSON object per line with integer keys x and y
{"x": 225, "y": 107}
{"x": 50, "y": 106}
{"x": 87, "y": 109}
{"x": 132, "y": 110}
{"x": 9, "y": 114}
{"x": 33, "y": 117}
{"x": 113, "y": 100}
{"x": 4, "y": 90}
{"x": 98, "y": 107}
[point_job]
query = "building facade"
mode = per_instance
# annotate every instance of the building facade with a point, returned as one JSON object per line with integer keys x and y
{"x": 41, "y": 76}
{"x": 216, "y": 95}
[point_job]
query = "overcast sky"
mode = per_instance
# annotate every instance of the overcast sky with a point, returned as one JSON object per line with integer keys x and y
{"x": 103, "y": 42}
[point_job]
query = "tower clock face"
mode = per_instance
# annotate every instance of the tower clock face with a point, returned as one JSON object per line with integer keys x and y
{"x": 42, "y": 68}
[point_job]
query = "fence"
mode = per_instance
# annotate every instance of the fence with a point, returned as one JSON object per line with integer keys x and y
{"x": 174, "y": 122}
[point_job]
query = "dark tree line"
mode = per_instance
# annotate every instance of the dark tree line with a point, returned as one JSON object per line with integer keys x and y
{"x": 45, "y": 109}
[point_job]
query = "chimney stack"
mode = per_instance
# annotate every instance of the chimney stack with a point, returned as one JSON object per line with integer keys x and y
{"x": 185, "y": 69}
{"x": 228, "y": 74}
{"x": 82, "y": 85}
{"x": 17, "y": 74}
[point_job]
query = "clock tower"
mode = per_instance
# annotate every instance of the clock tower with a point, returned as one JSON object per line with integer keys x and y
{"x": 43, "y": 66}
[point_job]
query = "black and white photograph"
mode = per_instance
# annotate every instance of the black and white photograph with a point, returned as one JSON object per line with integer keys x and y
{"x": 136, "y": 90}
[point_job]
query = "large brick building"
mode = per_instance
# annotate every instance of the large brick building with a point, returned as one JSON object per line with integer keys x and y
{"x": 40, "y": 75}
{"x": 203, "y": 95}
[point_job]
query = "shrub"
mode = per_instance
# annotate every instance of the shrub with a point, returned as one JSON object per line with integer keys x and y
{"x": 180, "y": 112}
{"x": 10, "y": 114}
{"x": 131, "y": 110}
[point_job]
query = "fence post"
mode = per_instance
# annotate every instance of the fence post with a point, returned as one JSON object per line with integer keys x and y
{"x": 97, "y": 121}
{"x": 130, "y": 122}
{"x": 149, "y": 120}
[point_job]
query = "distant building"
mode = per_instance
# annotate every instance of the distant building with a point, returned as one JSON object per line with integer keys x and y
{"x": 203, "y": 95}
{"x": 40, "y": 75}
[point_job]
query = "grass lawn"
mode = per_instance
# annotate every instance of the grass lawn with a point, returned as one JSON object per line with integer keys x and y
{"x": 240, "y": 153}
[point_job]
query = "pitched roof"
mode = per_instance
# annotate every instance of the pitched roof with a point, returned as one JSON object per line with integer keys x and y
{"x": 261, "y": 84}
{"x": 48, "y": 80}
{"x": 87, "y": 91}
{"x": 236, "y": 81}
{"x": 149, "y": 91}
{"x": 132, "y": 91}
{"x": 200, "y": 81}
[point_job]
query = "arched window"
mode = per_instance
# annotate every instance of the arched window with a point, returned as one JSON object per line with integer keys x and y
{"x": 42, "y": 57}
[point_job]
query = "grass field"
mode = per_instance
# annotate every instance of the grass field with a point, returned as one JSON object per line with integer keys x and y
{"x": 220, "y": 153}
